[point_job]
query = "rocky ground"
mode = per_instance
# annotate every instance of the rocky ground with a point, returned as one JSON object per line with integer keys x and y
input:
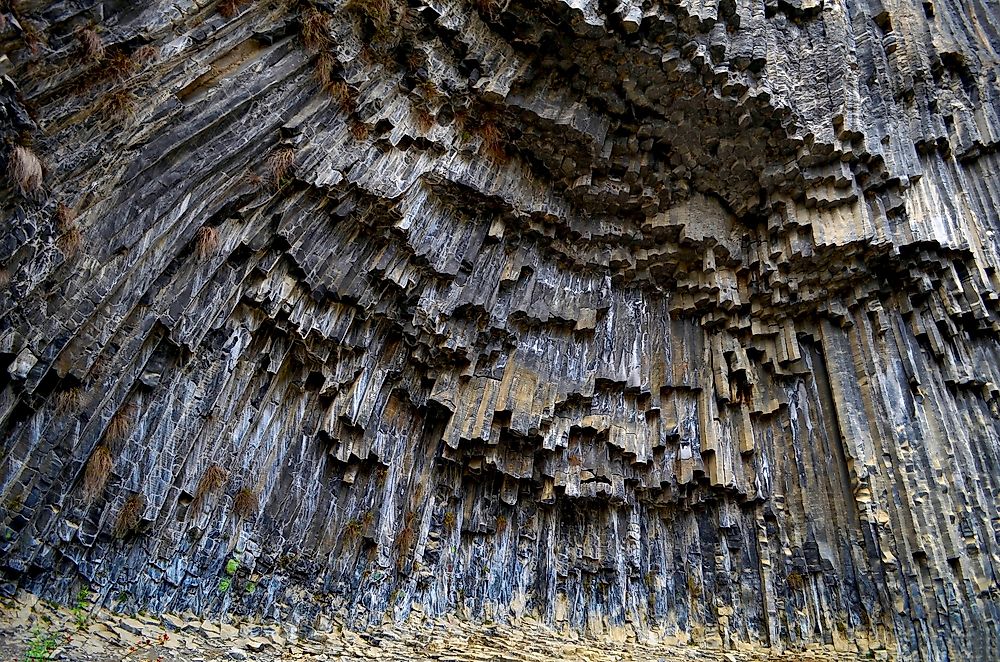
{"x": 33, "y": 629}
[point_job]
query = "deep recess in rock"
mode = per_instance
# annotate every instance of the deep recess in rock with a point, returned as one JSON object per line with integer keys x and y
{"x": 681, "y": 316}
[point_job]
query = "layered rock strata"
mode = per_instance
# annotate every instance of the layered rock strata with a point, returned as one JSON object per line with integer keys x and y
{"x": 674, "y": 316}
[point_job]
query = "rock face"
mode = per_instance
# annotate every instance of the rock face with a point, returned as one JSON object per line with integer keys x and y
{"x": 679, "y": 316}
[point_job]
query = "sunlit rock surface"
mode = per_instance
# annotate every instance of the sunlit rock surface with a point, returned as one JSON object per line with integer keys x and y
{"x": 678, "y": 317}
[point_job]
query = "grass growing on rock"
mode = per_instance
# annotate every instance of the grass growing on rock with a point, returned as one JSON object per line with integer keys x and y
{"x": 230, "y": 8}
{"x": 315, "y": 29}
{"x": 281, "y": 164}
{"x": 245, "y": 503}
{"x": 69, "y": 400}
{"x": 120, "y": 424}
{"x": 70, "y": 242}
{"x": 206, "y": 242}
{"x": 65, "y": 216}
{"x": 96, "y": 473}
{"x": 90, "y": 42}
{"x": 119, "y": 105}
{"x": 494, "y": 141}
{"x": 130, "y": 515}
{"x": 24, "y": 169}
{"x": 211, "y": 481}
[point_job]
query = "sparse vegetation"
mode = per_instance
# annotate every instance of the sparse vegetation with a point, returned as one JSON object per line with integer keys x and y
{"x": 33, "y": 38}
{"x": 24, "y": 169}
{"x": 245, "y": 503}
{"x": 460, "y": 117}
{"x": 65, "y": 217}
{"x": 383, "y": 22}
{"x": 145, "y": 55}
{"x": 379, "y": 12}
{"x": 795, "y": 581}
{"x": 449, "y": 520}
{"x": 224, "y": 584}
{"x": 96, "y": 473}
{"x": 42, "y": 643}
{"x": 341, "y": 93}
{"x": 359, "y": 130}
{"x": 404, "y": 540}
{"x": 281, "y": 164}
{"x": 429, "y": 91}
{"x": 211, "y": 481}
{"x": 501, "y": 523}
{"x": 352, "y": 529}
{"x": 118, "y": 65}
{"x": 206, "y": 242}
{"x": 120, "y": 424}
{"x": 494, "y": 141}
{"x": 315, "y": 29}
{"x": 81, "y": 608}
{"x": 90, "y": 41}
{"x": 69, "y": 400}
{"x": 694, "y": 588}
{"x": 230, "y": 8}
{"x": 232, "y": 567}
{"x": 130, "y": 515}
{"x": 425, "y": 119}
{"x": 326, "y": 65}
{"x": 119, "y": 104}
{"x": 70, "y": 242}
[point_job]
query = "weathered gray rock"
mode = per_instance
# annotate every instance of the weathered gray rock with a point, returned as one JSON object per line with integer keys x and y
{"x": 678, "y": 319}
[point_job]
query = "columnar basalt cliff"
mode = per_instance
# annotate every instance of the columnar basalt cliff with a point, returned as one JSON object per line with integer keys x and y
{"x": 680, "y": 316}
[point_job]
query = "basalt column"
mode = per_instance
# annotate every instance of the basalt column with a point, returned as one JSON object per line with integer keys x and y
{"x": 677, "y": 316}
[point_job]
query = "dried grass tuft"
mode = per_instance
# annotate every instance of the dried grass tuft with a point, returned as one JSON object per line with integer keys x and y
{"x": 96, "y": 473}
{"x": 281, "y": 164}
{"x": 404, "y": 541}
{"x": 378, "y": 12}
{"x": 245, "y": 503}
{"x": 315, "y": 29}
{"x": 230, "y": 8}
{"x": 93, "y": 47}
{"x": 211, "y": 481}
{"x": 24, "y": 169}
{"x": 360, "y": 130}
{"x": 326, "y": 64}
{"x": 206, "y": 242}
{"x": 425, "y": 119}
{"x": 69, "y": 400}
{"x": 494, "y": 142}
{"x": 120, "y": 424}
{"x": 65, "y": 217}
{"x": 253, "y": 180}
{"x": 70, "y": 242}
{"x": 341, "y": 93}
{"x": 129, "y": 516}
{"x": 120, "y": 105}
{"x": 145, "y": 55}
{"x": 118, "y": 65}
{"x": 501, "y": 523}
{"x": 34, "y": 39}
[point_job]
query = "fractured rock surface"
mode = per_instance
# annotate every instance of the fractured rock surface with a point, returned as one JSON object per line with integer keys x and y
{"x": 673, "y": 316}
